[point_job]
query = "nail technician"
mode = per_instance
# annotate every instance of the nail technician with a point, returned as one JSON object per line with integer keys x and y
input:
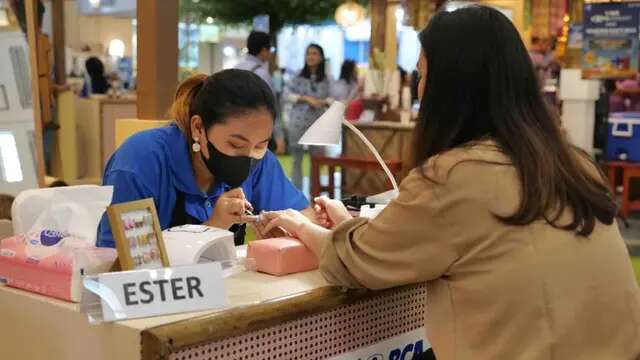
{"x": 212, "y": 165}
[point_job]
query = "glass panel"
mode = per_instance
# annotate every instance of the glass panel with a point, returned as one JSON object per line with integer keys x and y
{"x": 21, "y": 72}
{"x": 9, "y": 160}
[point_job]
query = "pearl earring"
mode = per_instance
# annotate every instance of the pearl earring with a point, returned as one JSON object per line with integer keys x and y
{"x": 196, "y": 146}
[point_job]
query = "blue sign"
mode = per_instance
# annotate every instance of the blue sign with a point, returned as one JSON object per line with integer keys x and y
{"x": 576, "y": 33}
{"x": 401, "y": 347}
{"x": 611, "y": 19}
{"x": 261, "y": 23}
{"x": 610, "y": 42}
{"x": 407, "y": 352}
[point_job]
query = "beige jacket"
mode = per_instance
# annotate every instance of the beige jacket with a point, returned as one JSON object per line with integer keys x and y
{"x": 494, "y": 291}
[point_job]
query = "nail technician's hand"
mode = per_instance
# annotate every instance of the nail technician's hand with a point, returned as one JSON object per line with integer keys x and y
{"x": 229, "y": 209}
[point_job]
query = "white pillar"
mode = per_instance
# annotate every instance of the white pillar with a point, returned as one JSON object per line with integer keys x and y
{"x": 578, "y": 107}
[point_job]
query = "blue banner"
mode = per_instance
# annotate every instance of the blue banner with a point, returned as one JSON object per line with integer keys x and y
{"x": 611, "y": 19}
{"x": 610, "y": 42}
{"x": 261, "y": 23}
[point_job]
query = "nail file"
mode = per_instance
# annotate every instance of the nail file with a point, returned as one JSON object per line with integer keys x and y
{"x": 250, "y": 217}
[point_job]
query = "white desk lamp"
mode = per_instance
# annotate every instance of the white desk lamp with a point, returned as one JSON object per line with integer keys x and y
{"x": 327, "y": 130}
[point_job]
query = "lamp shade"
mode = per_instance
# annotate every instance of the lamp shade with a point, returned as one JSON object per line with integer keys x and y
{"x": 116, "y": 48}
{"x": 350, "y": 13}
{"x": 327, "y": 129}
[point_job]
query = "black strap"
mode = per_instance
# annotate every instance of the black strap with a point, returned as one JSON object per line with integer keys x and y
{"x": 180, "y": 215}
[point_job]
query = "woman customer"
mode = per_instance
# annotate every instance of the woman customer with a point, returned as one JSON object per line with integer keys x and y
{"x": 510, "y": 226}
{"x": 212, "y": 164}
{"x": 309, "y": 92}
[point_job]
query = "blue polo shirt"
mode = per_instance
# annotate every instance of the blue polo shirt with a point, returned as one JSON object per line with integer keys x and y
{"x": 156, "y": 164}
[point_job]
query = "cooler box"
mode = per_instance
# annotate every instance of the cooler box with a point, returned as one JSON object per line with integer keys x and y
{"x": 623, "y": 141}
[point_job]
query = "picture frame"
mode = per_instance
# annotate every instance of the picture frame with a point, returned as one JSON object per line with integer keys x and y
{"x": 138, "y": 235}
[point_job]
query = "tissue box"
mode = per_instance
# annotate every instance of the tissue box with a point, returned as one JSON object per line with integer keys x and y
{"x": 281, "y": 256}
{"x": 50, "y": 265}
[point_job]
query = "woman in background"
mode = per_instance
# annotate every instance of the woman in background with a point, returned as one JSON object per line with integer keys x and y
{"x": 95, "y": 81}
{"x": 309, "y": 92}
{"x": 345, "y": 89}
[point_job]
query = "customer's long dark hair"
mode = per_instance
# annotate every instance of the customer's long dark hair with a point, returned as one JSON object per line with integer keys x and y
{"x": 481, "y": 84}
{"x": 320, "y": 70}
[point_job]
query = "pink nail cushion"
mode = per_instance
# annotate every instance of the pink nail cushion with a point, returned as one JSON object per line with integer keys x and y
{"x": 281, "y": 256}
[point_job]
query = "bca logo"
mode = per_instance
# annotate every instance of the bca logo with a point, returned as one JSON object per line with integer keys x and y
{"x": 405, "y": 353}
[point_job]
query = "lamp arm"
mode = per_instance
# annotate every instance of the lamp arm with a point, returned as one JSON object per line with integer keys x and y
{"x": 373, "y": 151}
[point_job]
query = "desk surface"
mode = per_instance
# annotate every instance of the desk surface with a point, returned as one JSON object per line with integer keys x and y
{"x": 257, "y": 303}
{"x": 71, "y": 336}
{"x": 105, "y": 99}
{"x": 243, "y": 288}
{"x": 386, "y": 125}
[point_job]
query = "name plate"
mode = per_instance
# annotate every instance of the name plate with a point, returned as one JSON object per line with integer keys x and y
{"x": 153, "y": 292}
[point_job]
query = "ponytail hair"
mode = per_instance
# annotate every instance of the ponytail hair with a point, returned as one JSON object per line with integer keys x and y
{"x": 215, "y": 98}
{"x": 180, "y": 108}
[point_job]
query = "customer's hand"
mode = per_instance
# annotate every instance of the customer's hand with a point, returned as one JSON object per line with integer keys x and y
{"x": 300, "y": 227}
{"x": 289, "y": 220}
{"x": 230, "y": 209}
{"x": 259, "y": 228}
{"x": 330, "y": 213}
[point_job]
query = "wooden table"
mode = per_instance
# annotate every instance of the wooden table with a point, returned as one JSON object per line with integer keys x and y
{"x": 96, "y": 118}
{"x": 393, "y": 140}
{"x": 267, "y": 318}
{"x": 346, "y": 162}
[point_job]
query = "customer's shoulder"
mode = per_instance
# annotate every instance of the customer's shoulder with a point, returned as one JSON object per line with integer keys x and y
{"x": 477, "y": 172}
{"x": 477, "y": 157}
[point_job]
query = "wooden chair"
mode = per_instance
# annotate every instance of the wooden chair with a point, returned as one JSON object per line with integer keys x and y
{"x": 317, "y": 161}
{"x": 628, "y": 170}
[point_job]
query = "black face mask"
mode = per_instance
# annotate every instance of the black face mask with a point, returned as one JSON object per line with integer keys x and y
{"x": 232, "y": 170}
